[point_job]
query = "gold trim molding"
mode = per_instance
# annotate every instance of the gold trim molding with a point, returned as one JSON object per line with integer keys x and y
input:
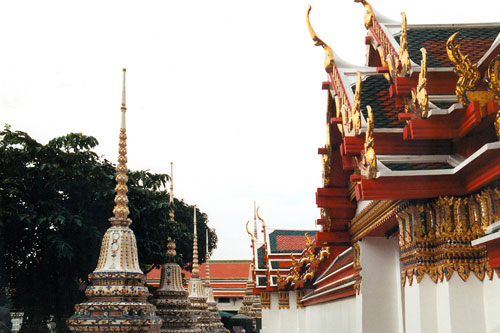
{"x": 435, "y": 236}
{"x": 374, "y": 215}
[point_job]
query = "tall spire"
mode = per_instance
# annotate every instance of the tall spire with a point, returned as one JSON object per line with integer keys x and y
{"x": 196, "y": 271}
{"x": 117, "y": 296}
{"x": 121, "y": 210}
{"x": 207, "y": 264}
{"x": 255, "y": 222}
{"x": 171, "y": 199}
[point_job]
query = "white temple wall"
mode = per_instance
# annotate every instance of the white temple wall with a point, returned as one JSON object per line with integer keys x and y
{"x": 301, "y": 317}
{"x": 491, "y": 293}
{"x": 460, "y": 305}
{"x": 380, "y": 298}
{"x": 451, "y": 306}
{"x": 420, "y": 306}
{"x": 288, "y": 317}
{"x": 270, "y": 317}
{"x": 338, "y": 316}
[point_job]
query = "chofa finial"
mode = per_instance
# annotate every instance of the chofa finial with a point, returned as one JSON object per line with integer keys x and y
{"x": 329, "y": 60}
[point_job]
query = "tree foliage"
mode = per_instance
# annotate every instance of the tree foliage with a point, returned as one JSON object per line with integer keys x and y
{"x": 55, "y": 201}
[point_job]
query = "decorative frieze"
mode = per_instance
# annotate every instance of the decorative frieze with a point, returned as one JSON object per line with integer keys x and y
{"x": 298, "y": 298}
{"x": 435, "y": 236}
{"x": 283, "y": 300}
{"x": 265, "y": 300}
{"x": 357, "y": 267}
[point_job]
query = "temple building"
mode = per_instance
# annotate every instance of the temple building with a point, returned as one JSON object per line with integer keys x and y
{"x": 410, "y": 196}
{"x": 117, "y": 295}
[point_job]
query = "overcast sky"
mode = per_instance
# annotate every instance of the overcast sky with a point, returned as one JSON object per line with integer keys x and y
{"x": 230, "y": 91}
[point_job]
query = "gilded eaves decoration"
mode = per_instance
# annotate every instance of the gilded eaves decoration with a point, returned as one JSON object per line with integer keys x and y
{"x": 357, "y": 267}
{"x": 368, "y": 165}
{"x": 435, "y": 237}
{"x": 304, "y": 269}
{"x": 327, "y": 157}
{"x": 419, "y": 103}
{"x": 468, "y": 75}
{"x": 493, "y": 80}
{"x": 404, "y": 56}
{"x": 353, "y": 119}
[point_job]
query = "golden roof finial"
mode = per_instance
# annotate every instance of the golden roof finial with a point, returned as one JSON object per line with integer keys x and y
{"x": 329, "y": 60}
{"x": 121, "y": 210}
{"x": 248, "y": 231}
{"x": 196, "y": 271}
{"x": 255, "y": 222}
{"x": 368, "y": 20}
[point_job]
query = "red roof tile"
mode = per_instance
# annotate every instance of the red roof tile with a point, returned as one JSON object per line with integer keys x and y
{"x": 290, "y": 242}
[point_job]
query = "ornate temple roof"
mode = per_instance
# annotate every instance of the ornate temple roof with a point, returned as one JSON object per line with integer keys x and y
{"x": 375, "y": 92}
{"x": 476, "y": 40}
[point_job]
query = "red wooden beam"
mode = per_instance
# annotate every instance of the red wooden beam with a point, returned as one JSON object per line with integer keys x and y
{"x": 453, "y": 126}
{"x": 332, "y": 237}
{"x": 394, "y": 144}
{"x": 479, "y": 173}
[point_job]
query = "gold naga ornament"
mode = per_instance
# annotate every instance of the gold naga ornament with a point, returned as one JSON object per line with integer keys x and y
{"x": 468, "y": 75}
{"x": 310, "y": 261}
{"x": 368, "y": 165}
{"x": 419, "y": 103}
{"x": 352, "y": 120}
{"x": 493, "y": 79}
{"x": 404, "y": 55}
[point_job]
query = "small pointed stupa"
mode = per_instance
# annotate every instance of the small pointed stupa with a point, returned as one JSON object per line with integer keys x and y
{"x": 251, "y": 303}
{"x": 117, "y": 297}
{"x": 171, "y": 298}
{"x": 212, "y": 304}
{"x": 195, "y": 287}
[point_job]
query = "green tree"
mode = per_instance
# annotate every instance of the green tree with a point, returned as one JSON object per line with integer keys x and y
{"x": 55, "y": 201}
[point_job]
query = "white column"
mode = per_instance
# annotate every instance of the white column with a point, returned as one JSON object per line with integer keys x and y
{"x": 460, "y": 305}
{"x": 420, "y": 306}
{"x": 379, "y": 303}
{"x": 491, "y": 292}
